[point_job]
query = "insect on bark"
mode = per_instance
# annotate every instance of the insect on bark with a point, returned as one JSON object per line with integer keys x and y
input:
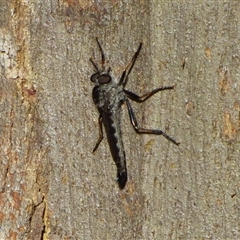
{"x": 108, "y": 96}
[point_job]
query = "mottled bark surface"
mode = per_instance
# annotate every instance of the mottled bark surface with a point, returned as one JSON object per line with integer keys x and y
{"x": 53, "y": 187}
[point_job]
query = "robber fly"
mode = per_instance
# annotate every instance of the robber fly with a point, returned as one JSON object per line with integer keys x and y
{"x": 108, "y": 95}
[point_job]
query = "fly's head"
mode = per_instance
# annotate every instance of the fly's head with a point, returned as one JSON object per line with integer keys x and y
{"x": 101, "y": 80}
{"x": 101, "y": 77}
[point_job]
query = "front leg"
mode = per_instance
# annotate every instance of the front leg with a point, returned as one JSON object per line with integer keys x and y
{"x": 100, "y": 133}
{"x": 124, "y": 79}
{"x": 144, "y": 97}
{"x": 143, "y": 130}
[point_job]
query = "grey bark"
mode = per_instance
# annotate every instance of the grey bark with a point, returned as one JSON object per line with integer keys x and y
{"x": 53, "y": 187}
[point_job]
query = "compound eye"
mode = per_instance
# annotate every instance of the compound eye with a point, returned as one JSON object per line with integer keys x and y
{"x": 104, "y": 78}
{"x": 94, "y": 77}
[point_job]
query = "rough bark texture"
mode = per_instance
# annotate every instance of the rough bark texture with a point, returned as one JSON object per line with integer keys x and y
{"x": 53, "y": 187}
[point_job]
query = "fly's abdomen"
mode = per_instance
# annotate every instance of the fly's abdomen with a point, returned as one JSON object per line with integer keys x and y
{"x": 111, "y": 123}
{"x": 122, "y": 178}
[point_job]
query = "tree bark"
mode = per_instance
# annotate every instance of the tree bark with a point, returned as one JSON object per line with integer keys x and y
{"x": 53, "y": 187}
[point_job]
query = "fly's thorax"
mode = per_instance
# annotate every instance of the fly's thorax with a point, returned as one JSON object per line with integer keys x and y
{"x": 108, "y": 96}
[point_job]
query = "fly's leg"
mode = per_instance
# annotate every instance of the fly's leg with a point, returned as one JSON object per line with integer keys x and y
{"x": 144, "y": 97}
{"x": 131, "y": 64}
{"x": 100, "y": 134}
{"x": 124, "y": 78}
{"x": 143, "y": 130}
{"x": 103, "y": 59}
{"x": 95, "y": 65}
{"x": 102, "y": 53}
